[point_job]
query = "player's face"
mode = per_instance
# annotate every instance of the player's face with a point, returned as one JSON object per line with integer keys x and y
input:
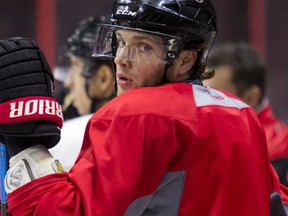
{"x": 222, "y": 79}
{"x": 140, "y": 60}
{"x": 76, "y": 83}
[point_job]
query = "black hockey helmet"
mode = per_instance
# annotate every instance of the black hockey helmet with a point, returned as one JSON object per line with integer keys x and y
{"x": 80, "y": 42}
{"x": 183, "y": 24}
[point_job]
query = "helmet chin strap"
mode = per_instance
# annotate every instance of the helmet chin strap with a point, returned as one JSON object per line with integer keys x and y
{"x": 115, "y": 79}
{"x": 171, "y": 55}
{"x": 165, "y": 71}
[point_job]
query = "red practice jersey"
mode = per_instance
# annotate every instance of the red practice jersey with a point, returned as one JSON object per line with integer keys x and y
{"x": 276, "y": 132}
{"x": 177, "y": 149}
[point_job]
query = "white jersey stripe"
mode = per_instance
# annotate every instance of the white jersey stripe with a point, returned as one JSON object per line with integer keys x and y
{"x": 205, "y": 96}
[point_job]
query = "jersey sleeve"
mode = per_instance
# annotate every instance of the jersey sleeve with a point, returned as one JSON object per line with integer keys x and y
{"x": 49, "y": 195}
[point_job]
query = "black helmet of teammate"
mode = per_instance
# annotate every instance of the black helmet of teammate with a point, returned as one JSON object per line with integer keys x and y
{"x": 80, "y": 42}
{"x": 183, "y": 24}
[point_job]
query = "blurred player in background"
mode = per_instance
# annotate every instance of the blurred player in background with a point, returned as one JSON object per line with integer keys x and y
{"x": 241, "y": 70}
{"x": 62, "y": 93}
{"x": 90, "y": 86}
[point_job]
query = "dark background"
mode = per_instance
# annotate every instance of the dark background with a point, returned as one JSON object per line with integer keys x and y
{"x": 260, "y": 22}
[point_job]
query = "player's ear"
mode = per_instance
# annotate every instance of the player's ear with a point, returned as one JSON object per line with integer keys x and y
{"x": 252, "y": 96}
{"x": 102, "y": 81}
{"x": 187, "y": 59}
{"x": 105, "y": 75}
{"x": 182, "y": 65}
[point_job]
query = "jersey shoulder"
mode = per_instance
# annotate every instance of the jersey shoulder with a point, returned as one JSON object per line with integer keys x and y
{"x": 205, "y": 96}
{"x": 179, "y": 100}
{"x": 163, "y": 100}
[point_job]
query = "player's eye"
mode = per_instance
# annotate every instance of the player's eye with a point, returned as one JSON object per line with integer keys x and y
{"x": 120, "y": 43}
{"x": 145, "y": 48}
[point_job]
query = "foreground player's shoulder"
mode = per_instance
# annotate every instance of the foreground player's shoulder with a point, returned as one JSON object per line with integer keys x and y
{"x": 205, "y": 96}
{"x": 149, "y": 100}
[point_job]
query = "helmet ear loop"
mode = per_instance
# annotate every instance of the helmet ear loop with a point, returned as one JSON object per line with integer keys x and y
{"x": 115, "y": 79}
{"x": 170, "y": 58}
{"x": 114, "y": 49}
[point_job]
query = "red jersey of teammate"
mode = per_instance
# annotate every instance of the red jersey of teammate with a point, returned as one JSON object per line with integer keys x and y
{"x": 276, "y": 132}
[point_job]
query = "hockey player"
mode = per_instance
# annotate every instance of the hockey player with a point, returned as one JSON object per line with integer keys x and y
{"x": 90, "y": 81}
{"x": 165, "y": 145}
{"x": 240, "y": 70}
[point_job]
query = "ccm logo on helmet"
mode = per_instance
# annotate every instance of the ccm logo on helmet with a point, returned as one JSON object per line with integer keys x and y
{"x": 126, "y": 12}
{"x": 32, "y": 107}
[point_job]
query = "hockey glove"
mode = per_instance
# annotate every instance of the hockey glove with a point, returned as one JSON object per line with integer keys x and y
{"x": 32, "y": 163}
{"x": 29, "y": 115}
